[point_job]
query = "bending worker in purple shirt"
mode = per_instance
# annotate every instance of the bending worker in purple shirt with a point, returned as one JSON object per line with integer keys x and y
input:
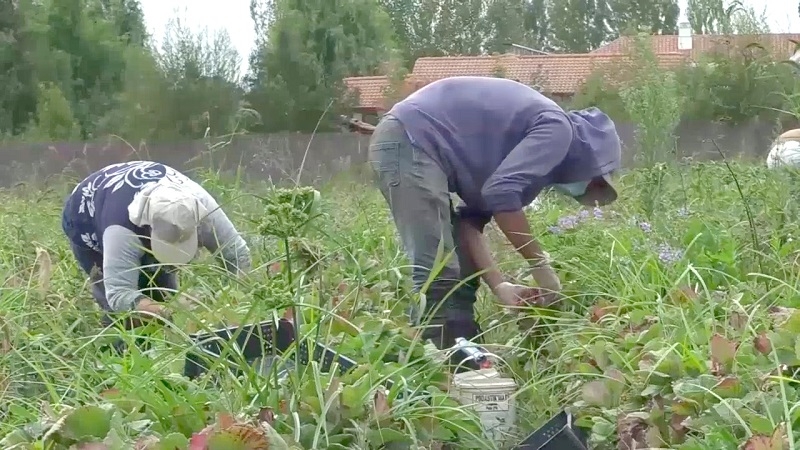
{"x": 497, "y": 144}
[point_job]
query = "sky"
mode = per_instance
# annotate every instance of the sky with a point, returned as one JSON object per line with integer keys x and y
{"x": 234, "y": 17}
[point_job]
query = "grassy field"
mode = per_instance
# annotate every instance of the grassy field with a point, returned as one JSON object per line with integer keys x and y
{"x": 679, "y": 330}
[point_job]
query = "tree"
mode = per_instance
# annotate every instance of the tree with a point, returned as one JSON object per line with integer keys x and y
{"x": 505, "y": 23}
{"x": 312, "y": 46}
{"x": 18, "y": 96}
{"x": 579, "y": 26}
{"x": 455, "y": 27}
{"x": 721, "y": 17}
{"x": 649, "y": 16}
{"x": 202, "y": 72}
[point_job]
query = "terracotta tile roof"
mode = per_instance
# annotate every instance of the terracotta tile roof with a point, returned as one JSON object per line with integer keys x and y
{"x": 555, "y": 74}
{"x": 559, "y": 74}
{"x": 370, "y": 90}
{"x": 780, "y": 44}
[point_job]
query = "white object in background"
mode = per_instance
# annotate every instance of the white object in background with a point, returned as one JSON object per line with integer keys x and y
{"x": 684, "y": 36}
{"x": 535, "y": 205}
{"x": 492, "y": 397}
{"x": 784, "y": 153}
{"x": 795, "y": 57}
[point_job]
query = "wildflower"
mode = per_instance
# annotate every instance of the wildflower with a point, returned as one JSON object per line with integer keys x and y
{"x": 683, "y": 212}
{"x": 668, "y": 254}
{"x": 554, "y": 230}
{"x": 568, "y": 222}
{"x": 645, "y": 226}
{"x": 583, "y": 214}
{"x": 598, "y": 213}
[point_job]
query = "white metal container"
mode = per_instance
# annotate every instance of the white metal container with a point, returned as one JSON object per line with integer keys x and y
{"x": 491, "y": 396}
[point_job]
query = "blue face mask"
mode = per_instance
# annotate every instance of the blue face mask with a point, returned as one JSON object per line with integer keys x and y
{"x": 572, "y": 189}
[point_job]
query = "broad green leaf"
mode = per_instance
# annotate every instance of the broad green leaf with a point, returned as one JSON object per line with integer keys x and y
{"x": 172, "y": 441}
{"x": 87, "y": 421}
{"x": 384, "y": 436}
{"x": 596, "y": 393}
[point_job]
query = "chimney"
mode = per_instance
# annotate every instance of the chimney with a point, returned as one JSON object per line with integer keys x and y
{"x": 684, "y": 36}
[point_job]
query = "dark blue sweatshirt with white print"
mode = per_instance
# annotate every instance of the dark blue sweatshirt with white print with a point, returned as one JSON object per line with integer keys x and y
{"x": 97, "y": 222}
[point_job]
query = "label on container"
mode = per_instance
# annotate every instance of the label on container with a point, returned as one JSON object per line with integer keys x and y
{"x": 496, "y": 412}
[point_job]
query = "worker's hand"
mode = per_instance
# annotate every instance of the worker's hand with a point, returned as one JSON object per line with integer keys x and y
{"x": 151, "y": 307}
{"x": 545, "y": 276}
{"x": 510, "y": 294}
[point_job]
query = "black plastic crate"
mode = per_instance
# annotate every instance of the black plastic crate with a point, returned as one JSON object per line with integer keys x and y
{"x": 252, "y": 342}
{"x": 325, "y": 356}
{"x": 559, "y": 433}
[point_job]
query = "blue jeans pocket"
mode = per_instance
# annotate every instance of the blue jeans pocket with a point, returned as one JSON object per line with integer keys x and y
{"x": 384, "y": 158}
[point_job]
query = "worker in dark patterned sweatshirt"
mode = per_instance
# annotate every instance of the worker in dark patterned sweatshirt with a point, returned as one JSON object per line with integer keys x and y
{"x": 497, "y": 144}
{"x": 131, "y": 224}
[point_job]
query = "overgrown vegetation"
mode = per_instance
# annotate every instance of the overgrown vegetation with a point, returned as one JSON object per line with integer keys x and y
{"x": 682, "y": 318}
{"x": 676, "y": 331}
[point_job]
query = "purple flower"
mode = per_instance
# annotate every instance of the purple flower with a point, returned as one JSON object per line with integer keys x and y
{"x": 598, "y": 213}
{"x": 668, "y": 254}
{"x": 645, "y": 226}
{"x": 583, "y": 214}
{"x": 683, "y": 212}
{"x": 568, "y": 222}
{"x": 555, "y": 230}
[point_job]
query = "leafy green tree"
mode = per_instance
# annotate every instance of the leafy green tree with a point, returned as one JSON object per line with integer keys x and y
{"x": 54, "y": 120}
{"x": 17, "y": 71}
{"x": 128, "y": 19}
{"x": 524, "y": 22}
{"x": 579, "y": 26}
{"x": 312, "y": 46}
{"x": 649, "y": 16}
{"x": 202, "y": 72}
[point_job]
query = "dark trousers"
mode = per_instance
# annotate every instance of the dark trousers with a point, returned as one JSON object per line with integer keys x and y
{"x": 154, "y": 281}
{"x": 417, "y": 191}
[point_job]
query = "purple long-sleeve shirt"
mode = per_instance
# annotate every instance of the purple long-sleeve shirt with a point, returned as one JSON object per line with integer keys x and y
{"x": 501, "y": 142}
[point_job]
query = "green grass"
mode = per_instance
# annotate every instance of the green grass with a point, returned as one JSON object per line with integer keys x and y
{"x": 674, "y": 353}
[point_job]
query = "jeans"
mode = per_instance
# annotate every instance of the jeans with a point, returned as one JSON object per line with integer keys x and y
{"x": 416, "y": 189}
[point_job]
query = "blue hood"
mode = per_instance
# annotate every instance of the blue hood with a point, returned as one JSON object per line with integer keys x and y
{"x": 596, "y": 148}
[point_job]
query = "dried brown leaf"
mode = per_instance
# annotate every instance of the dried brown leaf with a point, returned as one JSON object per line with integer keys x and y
{"x": 729, "y": 386}
{"x": 381, "y": 403}
{"x": 252, "y": 438}
{"x": 225, "y": 420}
{"x": 266, "y": 415}
{"x": 275, "y": 268}
{"x": 762, "y": 344}
{"x": 44, "y": 265}
{"x": 738, "y": 321}
{"x": 677, "y": 426}
{"x": 777, "y": 441}
{"x": 599, "y": 310}
{"x": 632, "y": 433}
{"x": 723, "y": 350}
{"x": 283, "y": 406}
{"x": 110, "y": 393}
{"x": 682, "y": 295}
